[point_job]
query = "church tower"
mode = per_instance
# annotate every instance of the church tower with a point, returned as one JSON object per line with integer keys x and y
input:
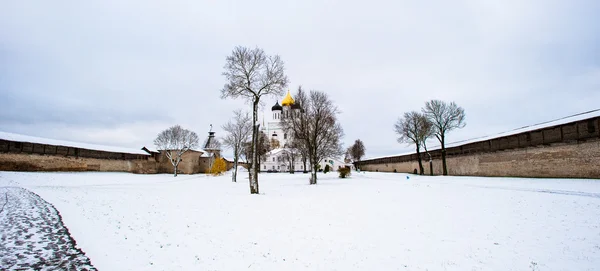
{"x": 279, "y": 112}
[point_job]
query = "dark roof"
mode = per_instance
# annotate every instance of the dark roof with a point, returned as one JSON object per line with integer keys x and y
{"x": 211, "y": 142}
{"x": 276, "y": 107}
{"x": 296, "y": 106}
{"x": 149, "y": 151}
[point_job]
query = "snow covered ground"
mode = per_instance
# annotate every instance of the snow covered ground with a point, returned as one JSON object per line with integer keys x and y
{"x": 372, "y": 221}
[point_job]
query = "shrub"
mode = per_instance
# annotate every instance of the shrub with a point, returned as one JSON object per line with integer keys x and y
{"x": 327, "y": 169}
{"x": 218, "y": 167}
{"x": 344, "y": 172}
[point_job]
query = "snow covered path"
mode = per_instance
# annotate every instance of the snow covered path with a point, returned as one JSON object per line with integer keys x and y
{"x": 372, "y": 221}
{"x": 33, "y": 236}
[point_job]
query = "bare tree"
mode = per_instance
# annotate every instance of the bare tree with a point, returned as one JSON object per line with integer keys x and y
{"x": 174, "y": 142}
{"x": 238, "y": 133}
{"x": 291, "y": 153}
{"x": 356, "y": 151}
{"x": 413, "y": 127}
{"x": 251, "y": 74}
{"x": 316, "y": 128}
{"x": 445, "y": 117}
{"x": 302, "y": 152}
{"x": 262, "y": 148}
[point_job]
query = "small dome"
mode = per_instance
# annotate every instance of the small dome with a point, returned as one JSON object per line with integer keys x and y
{"x": 276, "y": 107}
{"x": 288, "y": 100}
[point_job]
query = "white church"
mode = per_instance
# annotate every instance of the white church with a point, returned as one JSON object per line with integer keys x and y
{"x": 279, "y": 158}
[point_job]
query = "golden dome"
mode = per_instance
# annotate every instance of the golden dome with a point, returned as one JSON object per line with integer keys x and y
{"x": 288, "y": 100}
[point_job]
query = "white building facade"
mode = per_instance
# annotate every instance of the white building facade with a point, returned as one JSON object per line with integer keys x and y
{"x": 281, "y": 158}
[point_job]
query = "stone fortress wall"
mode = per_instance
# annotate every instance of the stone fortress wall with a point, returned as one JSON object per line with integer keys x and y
{"x": 27, "y": 156}
{"x": 566, "y": 150}
{"x": 570, "y": 149}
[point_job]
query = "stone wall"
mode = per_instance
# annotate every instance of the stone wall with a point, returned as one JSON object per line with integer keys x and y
{"x": 566, "y": 160}
{"x": 40, "y": 162}
{"x": 563, "y": 150}
{"x": 191, "y": 162}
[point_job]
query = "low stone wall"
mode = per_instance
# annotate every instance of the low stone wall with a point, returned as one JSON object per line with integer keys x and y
{"x": 38, "y": 162}
{"x": 560, "y": 160}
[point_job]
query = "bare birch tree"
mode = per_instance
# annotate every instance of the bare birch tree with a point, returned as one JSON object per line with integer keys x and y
{"x": 238, "y": 132}
{"x": 445, "y": 117}
{"x": 413, "y": 127}
{"x": 251, "y": 74}
{"x": 316, "y": 128}
{"x": 174, "y": 142}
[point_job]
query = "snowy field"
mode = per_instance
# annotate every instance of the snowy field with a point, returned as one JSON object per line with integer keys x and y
{"x": 372, "y": 221}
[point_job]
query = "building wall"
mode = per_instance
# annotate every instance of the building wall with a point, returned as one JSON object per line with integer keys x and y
{"x": 40, "y": 162}
{"x": 567, "y": 160}
{"x": 191, "y": 162}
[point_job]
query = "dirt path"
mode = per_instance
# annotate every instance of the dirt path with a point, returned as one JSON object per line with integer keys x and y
{"x": 33, "y": 236}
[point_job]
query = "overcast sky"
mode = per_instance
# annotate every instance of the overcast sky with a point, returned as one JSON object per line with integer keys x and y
{"x": 119, "y": 72}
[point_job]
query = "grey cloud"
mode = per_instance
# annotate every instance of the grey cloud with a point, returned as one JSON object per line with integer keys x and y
{"x": 111, "y": 68}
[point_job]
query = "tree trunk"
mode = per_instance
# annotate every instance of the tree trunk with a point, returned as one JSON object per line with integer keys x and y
{"x": 304, "y": 169}
{"x": 175, "y": 173}
{"x": 253, "y": 169}
{"x": 313, "y": 175}
{"x": 444, "y": 167}
{"x": 235, "y": 166}
{"x": 420, "y": 160}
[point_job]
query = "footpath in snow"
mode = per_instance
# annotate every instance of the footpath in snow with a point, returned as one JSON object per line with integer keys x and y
{"x": 33, "y": 235}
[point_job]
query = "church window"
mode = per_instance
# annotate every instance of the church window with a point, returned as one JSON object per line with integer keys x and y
{"x": 273, "y": 167}
{"x": 277, "y": 167}
{"x": 284, "y": 136}
{"x": 273, "y": 159}
{"x": 265, "y": 167}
